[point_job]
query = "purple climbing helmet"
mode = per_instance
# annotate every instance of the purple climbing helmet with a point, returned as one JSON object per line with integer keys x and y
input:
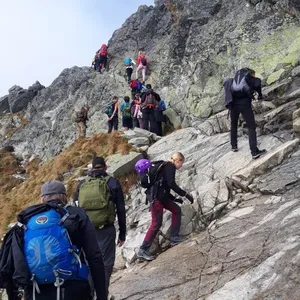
{"x": 142, "y": 165}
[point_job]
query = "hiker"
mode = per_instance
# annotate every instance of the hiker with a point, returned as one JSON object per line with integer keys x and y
{"x": 159, "y": 116}
{"x": 129, "y": 63}
{"x": 243, "y": 87}
{"x": 94, "y": 62}
{"x": 102, "y": 57}
{"x": 60, "y": 232}
{"x": 112, "y": 111}
{"x": 126, "y": 113}
{"x": 162, "y": 199}
{"x": 136, "y": 87}
{"x": 81, "y": 118}
{"x": 102, "y": 197}
{"x": 150, "y": 101}
{"x": 142, "y": 62}
{"x": 136, "y": 113}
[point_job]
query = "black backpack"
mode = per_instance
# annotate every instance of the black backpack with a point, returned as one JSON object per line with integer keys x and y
{"x": 148, "y": 179}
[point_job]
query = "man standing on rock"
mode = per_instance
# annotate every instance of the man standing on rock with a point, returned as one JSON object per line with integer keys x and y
{"x": 81, "y": 119}
{"x": 102, "y": 197}
{"x": 244, "y": 85}
{"x": 162, "y": 199}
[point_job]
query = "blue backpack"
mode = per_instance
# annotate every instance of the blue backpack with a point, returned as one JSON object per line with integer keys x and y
{"x": 49, "y": 253}
{"x": 127, "y": 61}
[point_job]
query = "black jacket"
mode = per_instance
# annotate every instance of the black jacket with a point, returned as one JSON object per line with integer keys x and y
{"x": 117, "y": 198}
{"x": 167, "y": 177}
{"x": 82, "y": 234}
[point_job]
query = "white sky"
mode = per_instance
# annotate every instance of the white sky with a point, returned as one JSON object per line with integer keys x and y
{"x": 40, "y": 38}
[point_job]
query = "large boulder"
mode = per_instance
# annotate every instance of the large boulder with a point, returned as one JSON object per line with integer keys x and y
{"x": 120, "y": 165}
{"x": 18, "y": 98}
{"x": 4, "y": 105}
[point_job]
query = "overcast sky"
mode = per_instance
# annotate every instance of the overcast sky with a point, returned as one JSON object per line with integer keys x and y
{"x": 39, "y": 38}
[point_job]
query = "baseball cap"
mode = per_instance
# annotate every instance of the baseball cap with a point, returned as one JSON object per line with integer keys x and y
{"x": 98, "y": 162}
{"x": 53, "y": 187}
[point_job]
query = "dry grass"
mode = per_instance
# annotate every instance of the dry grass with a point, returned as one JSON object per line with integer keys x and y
{"x": 78, "y": 155}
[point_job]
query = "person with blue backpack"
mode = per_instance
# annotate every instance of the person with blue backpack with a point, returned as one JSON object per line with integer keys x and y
{"x": 129, "y": 63}
{"x": 47, "y": 246}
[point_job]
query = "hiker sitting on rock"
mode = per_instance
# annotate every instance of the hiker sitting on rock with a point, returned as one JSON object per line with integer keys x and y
{"x": 162, "y": 199}
{"x": 81, "y": 118}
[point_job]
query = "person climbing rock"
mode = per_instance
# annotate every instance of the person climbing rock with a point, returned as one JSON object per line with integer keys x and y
{"x": 243, "y": 86}
{"x": 162, "y": 199}
{"x": 102, "y": 57}
{"x": 150, "y": 101}
{"x": 81, "y": 118}
{"x": 136, "y": 87}
{"x": 142, "y": 62}
{"x": 129, "y": 63}
{"x": 126, "y": 113}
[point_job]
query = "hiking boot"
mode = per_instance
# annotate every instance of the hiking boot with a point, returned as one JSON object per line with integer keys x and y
{"x": 234, "y": 149}
{"x": 175, "y": 240}
{"x": 145, "y": 255}
{"x": 259, "y": 153}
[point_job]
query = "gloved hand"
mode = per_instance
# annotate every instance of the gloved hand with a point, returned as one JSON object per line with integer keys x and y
{"x": 178, "y": 200}
{"x": 189, "y": 197}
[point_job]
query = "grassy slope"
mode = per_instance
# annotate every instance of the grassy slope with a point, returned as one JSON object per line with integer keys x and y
{"x": 14, "y": 195}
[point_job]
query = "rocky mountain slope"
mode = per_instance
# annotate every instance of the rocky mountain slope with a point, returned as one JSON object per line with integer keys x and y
{"x": 244, "y": 240}
{"x": 192, "y": 45}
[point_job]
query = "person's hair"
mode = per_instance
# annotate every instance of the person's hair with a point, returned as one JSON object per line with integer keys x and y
{"x": 149, "y": 86}
{"x": 126, "y": 99}
{"x": 115, "y": 97}
{"x": 177, "y": 156}
{"x": 61, "y": 197}
{"x": 251, "y": 71}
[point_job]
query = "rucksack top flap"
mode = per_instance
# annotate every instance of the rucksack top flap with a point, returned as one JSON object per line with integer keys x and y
{"x": 94, "y": 194}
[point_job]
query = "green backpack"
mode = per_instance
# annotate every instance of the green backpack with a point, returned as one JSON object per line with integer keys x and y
{"x": 95, "y": 199}
{"x": 126, "y": 111}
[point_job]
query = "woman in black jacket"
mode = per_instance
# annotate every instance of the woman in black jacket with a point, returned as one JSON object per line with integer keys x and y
{"x": 163, "y": 199}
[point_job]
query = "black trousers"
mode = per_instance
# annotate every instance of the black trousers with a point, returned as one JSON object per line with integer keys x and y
{"x": 113, "y": 124}
{"x": 129, "y": 73}
{"x": 102, "y": 61}
{"x": 149, "y": 120}
{"x": 107, "y": 243}
{"x": 247, "y": 113}
{"x": 70, "y": 290}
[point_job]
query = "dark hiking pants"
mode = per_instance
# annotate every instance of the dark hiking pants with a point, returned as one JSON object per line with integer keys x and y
{"x": 129, "y": 73}
{"x": 157, "y": 210}
{"x": 70, "y": 290}
{"x": 113, "y": 123}
{"x": 149, "y": 120}
{"x": 247, "y": 113}
{"x": 107, "y": 243}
